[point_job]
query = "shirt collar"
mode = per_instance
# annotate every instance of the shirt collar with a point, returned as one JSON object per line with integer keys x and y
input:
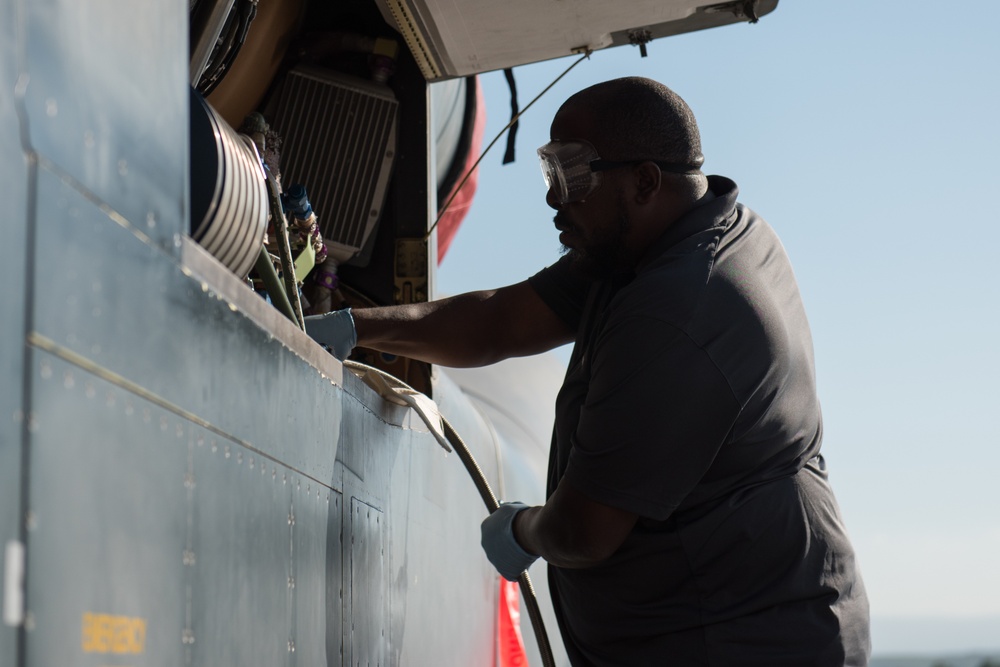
{"x": 716, "y": 212}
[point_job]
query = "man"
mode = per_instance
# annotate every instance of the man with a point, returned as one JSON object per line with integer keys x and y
{"x": 688, "y": 520}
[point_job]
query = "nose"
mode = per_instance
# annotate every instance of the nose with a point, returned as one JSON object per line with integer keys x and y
{"x": 552, "y": 200}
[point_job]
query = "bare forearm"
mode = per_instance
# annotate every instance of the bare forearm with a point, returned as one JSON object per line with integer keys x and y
{"x": 538, "y": 534}
{"x": 572, "y": 531}
{"x": 435, "y": 332}
{"x": 473, "y": 329}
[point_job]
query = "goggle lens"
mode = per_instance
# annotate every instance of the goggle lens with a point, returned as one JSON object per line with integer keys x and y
{"x": 572, "y": 169}
{"x": 566, "y": 169}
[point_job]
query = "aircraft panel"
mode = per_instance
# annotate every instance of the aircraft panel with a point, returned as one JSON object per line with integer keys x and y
{"x": 369, "y": 611}
{"x": 242, "y": 550}
{"x": 451, "y": 39}
{"x": 155, "y": 324}
{"x": 106, "y": 525}
{"x": 13, "y": 266}
{"x": 107, "y": 98}
{"x": 317, "y": 549}
{"x": 416, "y": 498}
{"x": 447, "y": 597}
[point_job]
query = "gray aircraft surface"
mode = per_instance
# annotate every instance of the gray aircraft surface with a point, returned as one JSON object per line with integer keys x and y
{"x": 185, "y": 476}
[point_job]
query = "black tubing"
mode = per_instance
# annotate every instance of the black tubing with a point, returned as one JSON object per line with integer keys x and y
{"x": 524, "y": 580}
{"x": 490, "y": 499}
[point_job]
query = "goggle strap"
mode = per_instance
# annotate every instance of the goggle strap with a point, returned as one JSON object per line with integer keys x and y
{"x": 671, "y": 167}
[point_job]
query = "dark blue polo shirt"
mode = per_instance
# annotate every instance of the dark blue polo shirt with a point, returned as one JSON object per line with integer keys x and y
{"x": 690, "y": 400}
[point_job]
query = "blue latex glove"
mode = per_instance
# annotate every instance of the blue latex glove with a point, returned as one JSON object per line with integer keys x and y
{"x": 500, "y": 545}
{"x": 335, "y": 331}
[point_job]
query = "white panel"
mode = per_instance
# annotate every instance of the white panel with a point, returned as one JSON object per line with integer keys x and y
{"x": 451, "y": 38}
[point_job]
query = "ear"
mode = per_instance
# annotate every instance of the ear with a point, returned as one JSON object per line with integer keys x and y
{"x": 648, "y": 181}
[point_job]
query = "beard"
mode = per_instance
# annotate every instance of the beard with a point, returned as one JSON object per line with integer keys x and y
{"x": 601, "y": 253}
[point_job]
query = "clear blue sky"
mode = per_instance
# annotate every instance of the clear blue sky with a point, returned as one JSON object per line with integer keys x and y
{"x": 868, "y": 135}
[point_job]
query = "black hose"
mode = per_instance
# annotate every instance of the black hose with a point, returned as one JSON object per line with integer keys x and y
{"x": 524, "y": 580}
{"x": 490, "y": 499}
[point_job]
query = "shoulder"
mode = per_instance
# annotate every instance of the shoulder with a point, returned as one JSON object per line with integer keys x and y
{"x": 670, "y": 287}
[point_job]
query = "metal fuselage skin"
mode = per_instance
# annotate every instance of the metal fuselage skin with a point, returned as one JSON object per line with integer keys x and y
{"x": 190, "y": 478}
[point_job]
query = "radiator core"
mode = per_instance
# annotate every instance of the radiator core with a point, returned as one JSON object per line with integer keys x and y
{"x": 339, "y": 136}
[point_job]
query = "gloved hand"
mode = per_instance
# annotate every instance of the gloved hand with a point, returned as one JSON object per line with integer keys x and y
{"x": 500, "y": 545}
{"x": 334, "y": 331}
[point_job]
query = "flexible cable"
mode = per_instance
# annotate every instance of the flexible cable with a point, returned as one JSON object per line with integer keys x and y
{"x": 472, "y": 169}
{"x": 489, "y": 498}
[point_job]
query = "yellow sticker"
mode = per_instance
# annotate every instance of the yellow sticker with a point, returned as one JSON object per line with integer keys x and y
{"x": 104, "y": 633}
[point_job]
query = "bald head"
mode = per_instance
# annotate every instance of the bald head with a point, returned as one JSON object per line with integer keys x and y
{"x": 637, "y": 119}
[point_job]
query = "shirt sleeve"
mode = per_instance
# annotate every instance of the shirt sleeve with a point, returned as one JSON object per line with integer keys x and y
{"x": 563, "y": 290}
{"x": 657, "y": 412}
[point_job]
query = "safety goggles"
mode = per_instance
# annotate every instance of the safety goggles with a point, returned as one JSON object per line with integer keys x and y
{"x": 572, "y": 169}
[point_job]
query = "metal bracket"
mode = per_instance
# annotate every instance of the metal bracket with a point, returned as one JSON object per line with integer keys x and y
{"x": 640, "y": 37}
{"x": 410, "y": 268}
